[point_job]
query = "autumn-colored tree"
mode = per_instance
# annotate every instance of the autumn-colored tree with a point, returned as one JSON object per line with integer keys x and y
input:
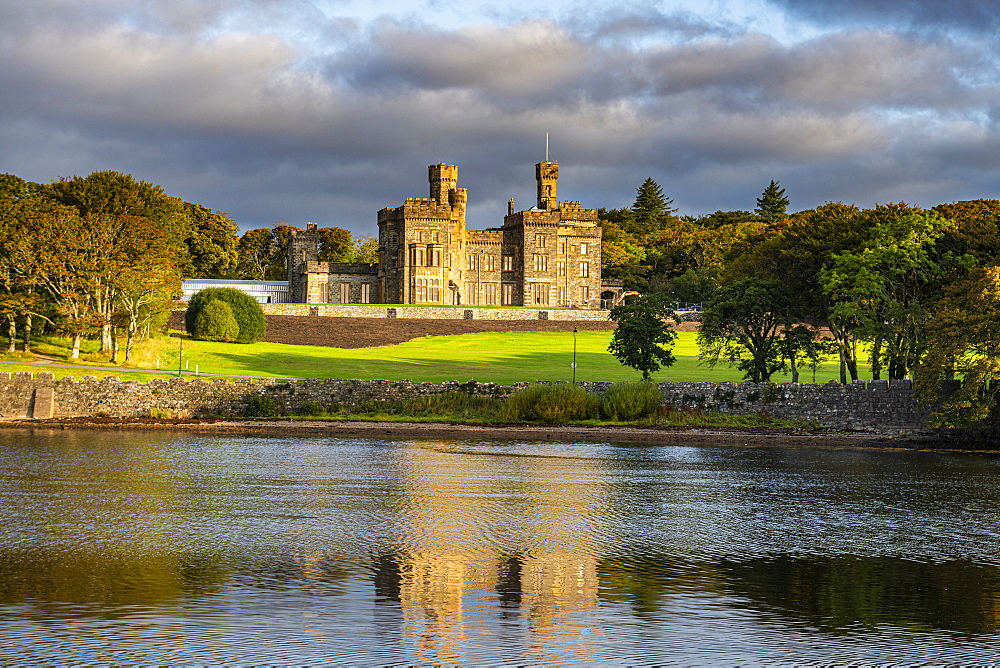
{"x": 212, "y": 243}
{"x": 963, "y": 340}
{"x": 366, "y": 250}
{"x": 975, "y": 229}
{"x": 335, "y": 245}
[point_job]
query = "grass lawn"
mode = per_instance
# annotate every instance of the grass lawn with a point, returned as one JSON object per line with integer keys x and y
{"x": 504, "y": 357}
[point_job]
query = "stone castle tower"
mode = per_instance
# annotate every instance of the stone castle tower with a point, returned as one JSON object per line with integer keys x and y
{"x": 548, "y": 255}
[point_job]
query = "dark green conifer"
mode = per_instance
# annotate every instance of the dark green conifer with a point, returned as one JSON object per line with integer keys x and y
{"x": 772, "y": 205}
{"x": 650, "y": 209}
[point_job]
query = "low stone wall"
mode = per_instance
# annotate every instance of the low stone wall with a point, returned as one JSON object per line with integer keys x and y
{"x": 865, "y": 406}
{"x": 453, "y": 313}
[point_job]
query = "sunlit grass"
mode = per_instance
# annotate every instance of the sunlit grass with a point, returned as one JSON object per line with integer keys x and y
{"x": 502, "y": 357}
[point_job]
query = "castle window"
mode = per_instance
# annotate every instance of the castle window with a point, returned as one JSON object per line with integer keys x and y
{"x": 561, "y": 246}
{"x": 583, "y": 249}
{"x": 366, "y": 293}
{"x": 540, "y": 294}
{"x": 507, "y": 294}
{"x": 489, "y": 262}
{"x": 420, "y": 237}
{"x": 540, "y": 240}
{"x": 585, "y": 293}
{"x": 447, "y": 260}
{"x": 508, "y": 263}
{"x": 434, "y": 257}
{"x": 560, "y": 268}
{"x": 470, "y": 261}
{"x": 436, "y": 237}
{"x": 324, "y": 293}
{"x": 427, "y": 290}
{"x": 584, "y": 270}
{"x": 490, "y": 294}
{"x": 418, "y": 257}
{"x": 345, "y": 293}
{"x": 562, "y": 296}
{"x": 541, "y": 262}
{"x": 470, "y": 293}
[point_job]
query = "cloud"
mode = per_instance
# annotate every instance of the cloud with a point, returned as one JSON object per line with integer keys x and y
{"x": 973, "y": 16}
{"x": 302, "y": 116}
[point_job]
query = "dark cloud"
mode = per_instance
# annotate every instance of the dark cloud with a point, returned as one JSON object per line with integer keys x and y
{"x": 330, "y": 119}
{"x": 974, "y": 16}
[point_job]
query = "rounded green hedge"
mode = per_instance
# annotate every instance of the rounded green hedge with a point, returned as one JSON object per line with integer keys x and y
{"x": 216, "y": 322}
{"x": 247, "y": 312}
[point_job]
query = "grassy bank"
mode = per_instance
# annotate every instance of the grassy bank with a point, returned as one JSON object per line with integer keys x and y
{"x": 627, "y": 404}
{"x": 505, "y": 357}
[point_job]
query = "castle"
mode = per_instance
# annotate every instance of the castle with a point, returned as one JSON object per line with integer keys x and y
{"x": 548, "y": 255}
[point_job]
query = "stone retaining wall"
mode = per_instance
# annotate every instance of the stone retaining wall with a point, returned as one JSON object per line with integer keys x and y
{"x": 455, "y": 313}
{"x": 865, "y": 406}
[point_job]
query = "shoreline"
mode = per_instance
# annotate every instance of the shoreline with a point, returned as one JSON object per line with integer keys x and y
{"x": 749, "y": 437}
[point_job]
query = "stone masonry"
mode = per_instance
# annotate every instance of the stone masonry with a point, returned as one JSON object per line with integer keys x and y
{"x": 548, "y": 255}
{"x": 872, "y": 405}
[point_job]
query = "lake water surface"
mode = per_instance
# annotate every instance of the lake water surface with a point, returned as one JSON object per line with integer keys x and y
{"x": 165, "y": 548}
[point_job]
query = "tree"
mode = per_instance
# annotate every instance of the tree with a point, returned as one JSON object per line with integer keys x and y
{"x": 692, "y": 287}
{"x": 212, "y": 243}
{"x": 335, "y": 245}
{"x": 887, "y": 288}
{"x": 741, "y": 327}
{"x": 366, "y": 250}
{"x": 795, "y": 253}
{"x": 642, "y": 339}
{"x": 964, "y": 338}
{"x": 256, "y": 250}
{"x": 650, "y": 209}
{"x": 772, "y": 204}
{"x": 247, "y": 311}
{"x": 111, "y": 205}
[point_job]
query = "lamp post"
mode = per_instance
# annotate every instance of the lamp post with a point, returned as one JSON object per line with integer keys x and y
{"x": 574, "y": 355}
{"x": 180, "y": 356}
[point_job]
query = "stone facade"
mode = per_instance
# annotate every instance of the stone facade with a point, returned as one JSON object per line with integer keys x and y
{"x": 868, "y": 406}
{"x": 431, "y": 312}
{"x": 548, "y": 255}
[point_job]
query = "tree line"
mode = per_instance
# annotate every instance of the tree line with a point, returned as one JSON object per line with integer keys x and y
{"x": 103, "y": 256}
{"x": 916, "y": 289}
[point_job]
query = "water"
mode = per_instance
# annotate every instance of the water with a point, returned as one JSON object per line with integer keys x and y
{"x": 162, "y": 548}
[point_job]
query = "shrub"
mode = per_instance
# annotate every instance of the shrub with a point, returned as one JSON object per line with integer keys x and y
{"x": 311, "y": 409}
{"x": 261, "y": 405}
{"x": 248, "y": 313}
{"x": 552, "y": 403}
{"x": 630, "y": 401}
{"x": 452, "y": 405}
{"x": 216, "y": 322}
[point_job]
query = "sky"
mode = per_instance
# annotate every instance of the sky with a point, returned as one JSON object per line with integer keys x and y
{"x": 327, "y": 111}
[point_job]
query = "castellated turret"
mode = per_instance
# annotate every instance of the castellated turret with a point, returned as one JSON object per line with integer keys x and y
{"x": 443, "y": 179}
{"x": 547, "y": 176}
{"x": 458, "y": 198}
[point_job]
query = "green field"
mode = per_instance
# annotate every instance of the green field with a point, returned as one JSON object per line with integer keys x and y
{"x": 498, "y": 357}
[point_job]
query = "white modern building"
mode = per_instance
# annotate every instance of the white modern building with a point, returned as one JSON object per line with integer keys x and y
{"x": 266, "y": 292}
